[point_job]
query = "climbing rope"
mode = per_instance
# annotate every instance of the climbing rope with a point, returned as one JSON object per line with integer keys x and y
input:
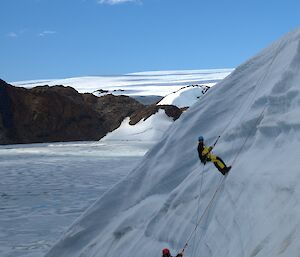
{"x": 260, "y": 116}
{"x": 241, "y": 148}
{"x": 203, "y": 214}
{"x": 198, "y": 209}
{"x": 259, "y": 119}
{"x": 255, "y": 91}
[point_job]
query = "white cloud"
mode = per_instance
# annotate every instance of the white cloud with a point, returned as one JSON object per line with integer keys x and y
{"x": 114, "y": 2}
{"x": 12, "y": 34}
{"x": 47, "y": 32}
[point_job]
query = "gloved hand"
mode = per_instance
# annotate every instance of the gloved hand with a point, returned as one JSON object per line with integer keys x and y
{"x": 179, "y": 255}
{"x": 204, "y": 160}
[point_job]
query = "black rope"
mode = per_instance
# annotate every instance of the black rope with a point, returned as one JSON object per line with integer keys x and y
{"x": 260, "y": 116}
{"x": 241, "y": 148}
{"x": 203, "y": 214}
{"x": 260, "y": 81}
{"x": 198, "y": 209}
{"x": 259, "y": 119}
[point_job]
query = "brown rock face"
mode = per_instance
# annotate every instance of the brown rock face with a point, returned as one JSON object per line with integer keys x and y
{"x": 146, "y": 112}
{"x": 58, "y": 113}
{"x": 49, "y": 114}
{"x": 114, "y": 109}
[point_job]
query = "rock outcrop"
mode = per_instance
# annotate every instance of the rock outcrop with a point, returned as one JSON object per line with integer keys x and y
{"x": 146, "y": 112}
{"x": 58, "y": 113}
{"x": 61, "y": 114}
{"x": 113, "y": 108}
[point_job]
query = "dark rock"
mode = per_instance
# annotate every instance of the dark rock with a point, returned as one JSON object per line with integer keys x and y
{"x": 6, "y": 116}
{"x": 101, "y": 91}
{"x": 146, "y": 112}
{"x": 113, "y": 108}
{"x": 58, "y": 113}
{"x": 183, "y": 109}
{"x": 148, "y": 100}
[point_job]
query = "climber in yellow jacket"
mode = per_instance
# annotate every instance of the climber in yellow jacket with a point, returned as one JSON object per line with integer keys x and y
{"x": 205, "y": 155}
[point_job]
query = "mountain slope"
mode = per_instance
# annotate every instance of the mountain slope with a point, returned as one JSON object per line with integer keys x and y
{"x": 256, "y": 211}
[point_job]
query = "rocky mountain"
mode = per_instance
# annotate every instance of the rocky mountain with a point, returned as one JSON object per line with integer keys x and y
{"x": 59, "y": 113}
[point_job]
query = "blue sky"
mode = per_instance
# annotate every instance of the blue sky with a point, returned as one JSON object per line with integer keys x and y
{"x": 41, "y": 39}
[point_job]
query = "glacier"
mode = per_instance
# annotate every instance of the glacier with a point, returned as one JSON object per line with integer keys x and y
{"x": 255, "y": 111}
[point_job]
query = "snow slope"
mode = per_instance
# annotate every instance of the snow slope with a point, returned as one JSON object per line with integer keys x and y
{"x": 185, "y": 97}
{"x": 151, "y": 129}
{"x": 256, "y": 210}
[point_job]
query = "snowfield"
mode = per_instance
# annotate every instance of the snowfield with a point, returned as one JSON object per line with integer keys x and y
{"x": 255, "y": 211}
{"x": 45, "y": 187}
{"x": 159, "y": 83}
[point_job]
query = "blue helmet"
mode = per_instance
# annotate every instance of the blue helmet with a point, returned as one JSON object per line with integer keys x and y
{"x": 200, "y": 138}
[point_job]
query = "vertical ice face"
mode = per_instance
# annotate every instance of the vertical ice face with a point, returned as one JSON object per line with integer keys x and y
{"x": 256, "y": 212}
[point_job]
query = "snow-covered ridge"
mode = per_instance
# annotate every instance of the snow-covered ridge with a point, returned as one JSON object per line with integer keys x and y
{"x": 151, "y": 129}
{"x": 256, "y": 212}
{"x": 141, "y": 83}
{"x": 186, "y": 96}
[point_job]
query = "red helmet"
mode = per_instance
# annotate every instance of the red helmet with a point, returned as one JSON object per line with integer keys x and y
{"x": 166, "y": 251}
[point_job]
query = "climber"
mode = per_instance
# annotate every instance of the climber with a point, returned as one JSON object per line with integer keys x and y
{"x": 166, "y": 253}
{"x": 205, "y": 155}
